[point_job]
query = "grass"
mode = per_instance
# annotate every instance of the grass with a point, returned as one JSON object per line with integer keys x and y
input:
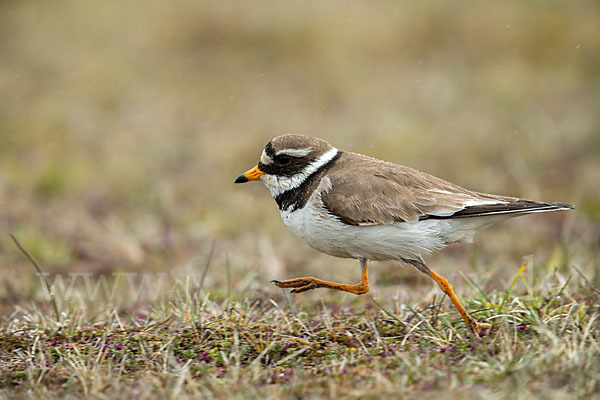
{"x": 192, "y": 343}
{"x": 124, "y": 125}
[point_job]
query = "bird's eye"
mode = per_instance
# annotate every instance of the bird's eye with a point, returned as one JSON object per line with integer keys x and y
{"x": 283, "y": 159}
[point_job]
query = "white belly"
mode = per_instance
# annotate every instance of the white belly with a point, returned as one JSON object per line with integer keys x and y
{"x": 324, "y": 232}
{"x": 404, "y": 240}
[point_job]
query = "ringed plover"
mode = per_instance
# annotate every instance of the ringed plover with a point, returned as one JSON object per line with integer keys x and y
{"x": 353, "y": 206}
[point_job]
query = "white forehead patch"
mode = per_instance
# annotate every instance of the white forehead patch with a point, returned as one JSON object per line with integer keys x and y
{"x": 295, "y": 152}
{"x": 265, "y": 159}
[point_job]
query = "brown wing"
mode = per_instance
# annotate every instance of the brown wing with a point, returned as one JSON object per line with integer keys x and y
{"x": 366, "y": 191}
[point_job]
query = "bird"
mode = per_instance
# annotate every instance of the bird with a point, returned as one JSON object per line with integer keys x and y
{"x": 350, "y": 205}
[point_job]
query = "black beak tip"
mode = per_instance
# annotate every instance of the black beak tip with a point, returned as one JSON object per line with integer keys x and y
{"x": 241, "y": 179}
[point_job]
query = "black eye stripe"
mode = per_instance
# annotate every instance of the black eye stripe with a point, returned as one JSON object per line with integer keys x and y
{"x": 295, "y": 166}
{"x": 283, "y": 158}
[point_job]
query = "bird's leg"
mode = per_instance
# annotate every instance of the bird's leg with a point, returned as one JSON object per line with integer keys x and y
{"x": 473, "y": 325}
{"x": 303, "y": 284}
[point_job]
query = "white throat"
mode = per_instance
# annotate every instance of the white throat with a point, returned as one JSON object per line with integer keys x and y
{"x": 281, "y": 184}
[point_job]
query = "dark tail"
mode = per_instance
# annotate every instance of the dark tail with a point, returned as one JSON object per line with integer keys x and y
{"x": 515, "y": 207}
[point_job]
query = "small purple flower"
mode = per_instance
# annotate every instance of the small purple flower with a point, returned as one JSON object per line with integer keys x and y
{"x": 522, "y": 328}
{"x": 493, "y": 352}
{"x": 287, "y": 375}
{"x": 282, "y": 377}
{"x": 205, "y": 357}
{"x": 485, "y": 332}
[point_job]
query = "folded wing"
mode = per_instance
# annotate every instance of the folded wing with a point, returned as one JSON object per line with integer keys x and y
{"x": 383, "y": 193}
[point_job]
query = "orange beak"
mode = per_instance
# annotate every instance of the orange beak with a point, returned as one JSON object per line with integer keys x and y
{"x": 253, "y": 175}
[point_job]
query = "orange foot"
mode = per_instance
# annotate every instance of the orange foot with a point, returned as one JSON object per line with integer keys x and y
{"x": 476, "y": 326}
{"x": 304, "y": 284}
{"x": 299, "y": 284}
{"x": 308, "y": 283}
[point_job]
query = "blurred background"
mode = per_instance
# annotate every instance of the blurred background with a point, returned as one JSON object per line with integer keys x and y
{"x": 124, "y": 124}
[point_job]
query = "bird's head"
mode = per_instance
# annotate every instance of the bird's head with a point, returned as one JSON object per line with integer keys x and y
{"x": 287, "y": 161}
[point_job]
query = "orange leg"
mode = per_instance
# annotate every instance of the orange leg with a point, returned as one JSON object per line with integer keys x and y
{"x": 472, "y": 324}
{"x": 303, "y": 284}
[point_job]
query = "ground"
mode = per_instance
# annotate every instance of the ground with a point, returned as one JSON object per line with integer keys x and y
{"x": 123, "y": 127}
{"x": 544, "y": 343}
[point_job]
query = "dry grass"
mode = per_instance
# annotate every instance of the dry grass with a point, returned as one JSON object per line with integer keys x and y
{"x": 192, "y": 344}
{"x": 122, "y": 127}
